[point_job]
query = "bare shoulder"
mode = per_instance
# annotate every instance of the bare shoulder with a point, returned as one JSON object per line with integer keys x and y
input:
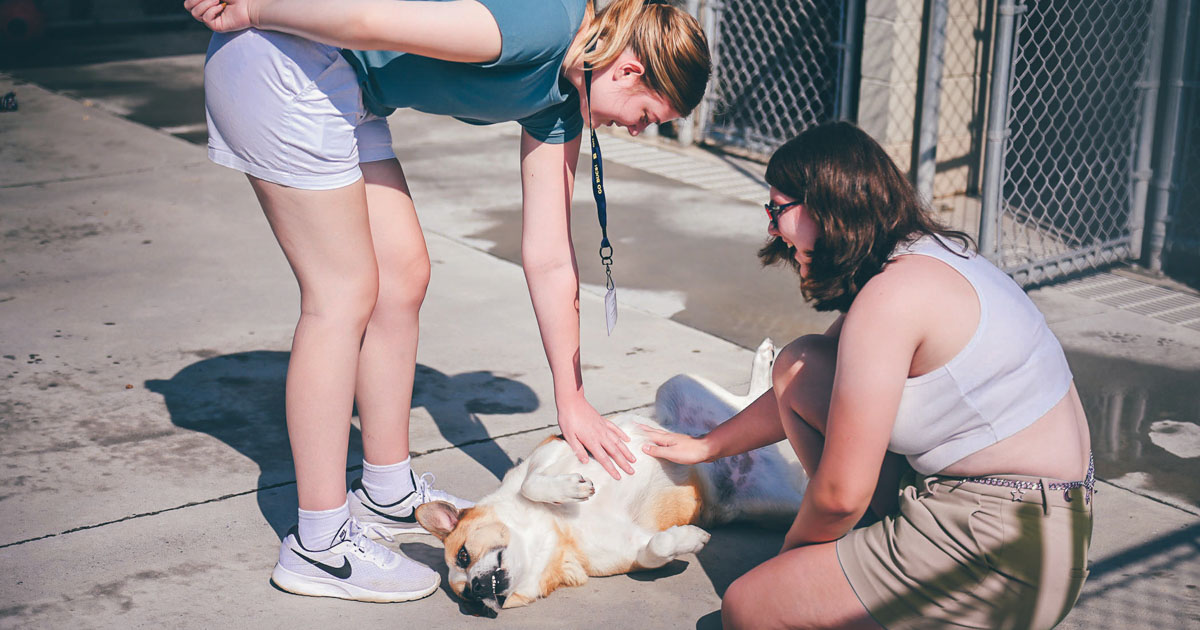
{"x": 918, "y": 280}
{"x": 912, "y": 292}
{"x": 901, "y": 286}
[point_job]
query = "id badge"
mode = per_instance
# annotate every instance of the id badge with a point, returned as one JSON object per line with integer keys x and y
{"x": 610, "y": 309}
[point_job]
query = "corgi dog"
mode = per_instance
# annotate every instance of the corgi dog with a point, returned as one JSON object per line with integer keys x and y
{"x": 553, "y": 522}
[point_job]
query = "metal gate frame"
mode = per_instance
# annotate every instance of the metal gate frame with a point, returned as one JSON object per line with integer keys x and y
{"x": 769, "y": 35}
{"x": 1175, "y": 214}
{"x": 1074, "y": 253}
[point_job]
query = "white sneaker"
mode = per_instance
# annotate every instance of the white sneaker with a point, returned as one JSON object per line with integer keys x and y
{"x": 399, "y": 517}
{"x": 353, "y": 567}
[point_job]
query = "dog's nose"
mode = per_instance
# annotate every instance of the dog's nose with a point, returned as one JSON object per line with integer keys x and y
{"x": 481, "y": 588}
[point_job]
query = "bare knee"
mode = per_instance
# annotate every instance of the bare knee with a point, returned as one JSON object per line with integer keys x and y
{"x": 803, "y": 377}
{"x": 807, "y": 350}
{"x": 402, "y": 290}
{"x": 737, "y": 605}
{"x": 346, "y": 303}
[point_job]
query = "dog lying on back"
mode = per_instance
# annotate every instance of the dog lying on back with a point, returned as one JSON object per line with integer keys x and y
{"x": 554, "y": 521}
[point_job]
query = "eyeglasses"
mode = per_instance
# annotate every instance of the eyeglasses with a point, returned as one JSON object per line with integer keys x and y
{"x": 774, "y": 211}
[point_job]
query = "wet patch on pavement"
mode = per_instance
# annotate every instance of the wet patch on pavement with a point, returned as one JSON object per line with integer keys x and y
{"x": 1145, "y": 424}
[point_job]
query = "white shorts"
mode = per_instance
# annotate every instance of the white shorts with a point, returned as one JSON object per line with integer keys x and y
{"x": 289, "y": 111}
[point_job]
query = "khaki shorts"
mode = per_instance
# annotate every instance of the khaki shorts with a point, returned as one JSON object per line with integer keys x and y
{"x": 972, "y": 555}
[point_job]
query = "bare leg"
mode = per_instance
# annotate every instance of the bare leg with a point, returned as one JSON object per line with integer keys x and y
{"x": 800, "y": 588}
{"x": 803, "y": 381}
{"x": 388, "y": 360}
{"x": 326, "y": 239}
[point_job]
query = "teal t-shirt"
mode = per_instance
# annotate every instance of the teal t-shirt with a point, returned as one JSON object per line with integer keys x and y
{"x": 523, "y": 84}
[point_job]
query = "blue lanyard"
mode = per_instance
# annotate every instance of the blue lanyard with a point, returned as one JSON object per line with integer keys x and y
{"x": 606, "y": 249}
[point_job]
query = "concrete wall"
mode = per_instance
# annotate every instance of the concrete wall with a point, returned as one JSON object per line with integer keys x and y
{"x": 888, "y": 95}
{"x": 891, "y": 51}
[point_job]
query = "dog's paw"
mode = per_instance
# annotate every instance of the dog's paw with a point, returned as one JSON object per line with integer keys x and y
{"x": 574, "y": 487}
{"x": 679, "y": 540}
{"x": 765, "y": 351}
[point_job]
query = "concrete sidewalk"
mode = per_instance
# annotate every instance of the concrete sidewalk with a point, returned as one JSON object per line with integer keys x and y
{"x": 147, "y": 314}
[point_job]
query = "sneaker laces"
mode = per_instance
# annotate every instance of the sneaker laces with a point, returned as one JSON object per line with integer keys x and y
{"x": 427, "y": 492}
{"x": 368, "y": 549}
{"x": 424, "y": 487}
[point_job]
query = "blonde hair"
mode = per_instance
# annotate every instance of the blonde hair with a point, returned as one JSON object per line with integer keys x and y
{"x": 669, "y": 43}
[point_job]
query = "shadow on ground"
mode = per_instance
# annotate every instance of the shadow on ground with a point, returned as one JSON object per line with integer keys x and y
{"x": 239, "y": 400}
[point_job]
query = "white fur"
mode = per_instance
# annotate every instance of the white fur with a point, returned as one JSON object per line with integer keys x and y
{"x": 552, "y": 492}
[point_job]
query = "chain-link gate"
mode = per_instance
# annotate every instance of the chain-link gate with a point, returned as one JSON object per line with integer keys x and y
{"x": 779, "y": 66}
{"x": 1076, "y": 95}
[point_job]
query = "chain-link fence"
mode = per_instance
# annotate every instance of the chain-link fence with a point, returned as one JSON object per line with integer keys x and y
{"x": 779, "y": 67}
{"x": 1076, "y": 97}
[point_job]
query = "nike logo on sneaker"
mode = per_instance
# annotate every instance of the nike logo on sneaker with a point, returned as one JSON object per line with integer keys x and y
{"x": 410, "y": 519}
{"x": 341, "y": 573}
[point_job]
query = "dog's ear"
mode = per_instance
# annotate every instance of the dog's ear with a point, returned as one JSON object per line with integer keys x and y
{"x": 438, "y": 518}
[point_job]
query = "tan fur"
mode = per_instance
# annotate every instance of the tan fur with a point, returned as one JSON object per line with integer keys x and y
{"x": 566, "y": 568}
{"x": 455, "y": 540}
{"x": 680, "y": 505}
{"x": 480, "y": 531}
{"x": 516, "y": 600}
{"x": 550, "y": 439}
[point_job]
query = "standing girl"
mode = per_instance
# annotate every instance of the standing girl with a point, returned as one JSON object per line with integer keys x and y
{"x": 297, "y": 92}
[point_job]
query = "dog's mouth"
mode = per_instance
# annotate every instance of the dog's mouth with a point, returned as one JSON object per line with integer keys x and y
{"x": 489, "y": 589}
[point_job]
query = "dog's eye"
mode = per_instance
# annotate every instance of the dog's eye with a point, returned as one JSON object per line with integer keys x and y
{"x": 464, "y": 558}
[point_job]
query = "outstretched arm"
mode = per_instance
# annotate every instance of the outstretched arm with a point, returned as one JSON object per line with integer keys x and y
{"x": 753, "y": 427}
{"x": 548, "y": 257}
{"x": 461, "y": 30}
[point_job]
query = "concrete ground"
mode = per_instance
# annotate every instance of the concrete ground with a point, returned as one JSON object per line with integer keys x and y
{"x": 147, "y": 312}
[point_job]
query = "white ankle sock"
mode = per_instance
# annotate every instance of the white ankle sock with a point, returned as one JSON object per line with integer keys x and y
{"x": 317, "y": 528}
{"x": 388, "y": 484}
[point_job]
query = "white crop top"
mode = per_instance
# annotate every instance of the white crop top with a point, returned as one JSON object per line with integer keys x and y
{"x": 1009, "y": 374}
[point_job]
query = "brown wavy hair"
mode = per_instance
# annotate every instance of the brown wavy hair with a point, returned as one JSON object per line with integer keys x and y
{"x": 862, "y": 204}
{"x": 669, "y": 43}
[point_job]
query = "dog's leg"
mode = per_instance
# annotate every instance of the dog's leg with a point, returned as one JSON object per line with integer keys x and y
{"x": 671, "y": 543}
{"x": 760, "y": 369}
{"x": 566, "y": 488}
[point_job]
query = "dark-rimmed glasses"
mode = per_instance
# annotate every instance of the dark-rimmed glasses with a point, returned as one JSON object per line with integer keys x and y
{"x": 774, "y": 211}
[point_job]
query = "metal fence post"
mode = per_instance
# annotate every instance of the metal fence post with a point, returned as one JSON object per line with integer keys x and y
{"x": 711, "y": 22}
{"x": 1164, "y": 183}
{"x": 685, "y": 130}
{"x": 997, "y": 134}
{"x": 931, "y": 96}
{"x": 1142, "y": 168}
{"x": 850, "y": 46}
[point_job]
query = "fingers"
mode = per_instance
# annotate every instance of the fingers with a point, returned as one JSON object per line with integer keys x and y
{"x": 659, "y": 452}
{"x": 198, "y": 8}
{"x": 606, "y": 461}
{"x": 213, "y": 13}
{"x": 580, "y": 452}
{"x": 609, "y": 457}
{"x": 627, "y": 458}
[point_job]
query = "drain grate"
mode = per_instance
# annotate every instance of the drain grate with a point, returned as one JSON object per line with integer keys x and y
{"x": 1127, "y": 294}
